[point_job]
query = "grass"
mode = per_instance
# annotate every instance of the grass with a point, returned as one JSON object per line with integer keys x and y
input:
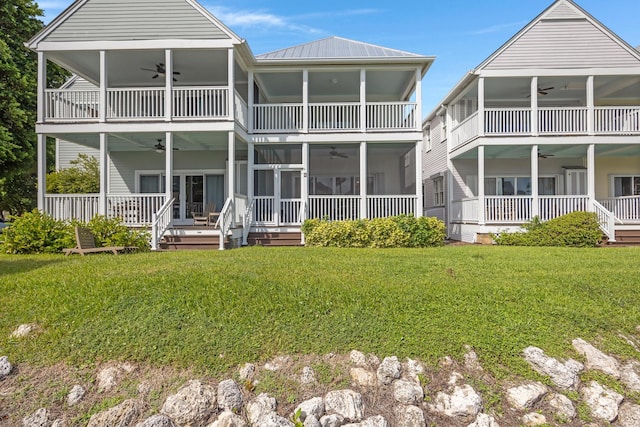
{"x": 213, "y": 310}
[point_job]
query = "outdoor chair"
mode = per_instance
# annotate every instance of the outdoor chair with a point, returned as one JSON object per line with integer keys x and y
{"x": 86, "y": 243}
{"x": 208, "y": 217}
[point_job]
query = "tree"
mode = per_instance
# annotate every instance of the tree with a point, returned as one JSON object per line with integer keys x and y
{"x": 18, "y": 97}
{"x": 82, "y": 178}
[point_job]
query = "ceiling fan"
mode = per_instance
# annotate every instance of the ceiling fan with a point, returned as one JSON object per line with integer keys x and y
{"x": 160, "y": 148}
{"x": 544, "y": 156}
{"x": 160, "y": 71}
{"x": 541, "y": 91}
{"x": 333, "y": 153}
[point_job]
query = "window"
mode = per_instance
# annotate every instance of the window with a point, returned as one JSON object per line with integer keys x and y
{"x": 626, "y": 186}
{"x": 337, "y": 185}
{"x": 518, "y": 186}
{"x": 438, "y": 191}
{"x": 427, "y": 139}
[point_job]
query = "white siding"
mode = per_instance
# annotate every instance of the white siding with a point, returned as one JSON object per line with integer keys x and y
{"x": 67, "y": 151}
{"x": 562, "y": 11}
{"x": 136, "y": 20}
{"x": 434, "y": 161}
{"x": 563, "y": 44}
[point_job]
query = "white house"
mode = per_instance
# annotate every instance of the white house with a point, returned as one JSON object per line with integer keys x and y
{"x": 183, "y": 116}
{"x": 546, "y": 125}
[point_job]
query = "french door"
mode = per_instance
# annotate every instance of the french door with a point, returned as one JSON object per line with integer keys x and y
{"x": 192, "y": 193}
{"x": 277, "y": 196}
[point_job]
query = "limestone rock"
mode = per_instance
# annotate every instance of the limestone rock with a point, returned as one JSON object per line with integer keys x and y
{"x": 259, "y": 407}
{"x": 526, "y": 396}
{"x": 463, "y": 402}
{"x": 247, "y": 372}
{"x": 358, "y": 358}
{"x": 407, "y": 392}
{"x": 628, "y": 415}
{"x": 409, "y": 416}
{"x": 564, "y": 375}
{"x": 271, "y": 419}
{"x": 40, "y": 418}
{"x": 362, "y": 377}
{"x": 157, "y": 421}
{"x": 602, "y": 401}
{"x": 389, "y": 370}
{"x": 75, "y": 395}
{"x": 312, "y": 421}
{"x": 414, "y": 370}
{"x": 24, "y": 330}
{"x": 192, "y": 405}
{"x": 229, "y": 396}
{"x": 308, "y": 375}
{"x": 484, "y": 420}
{"x": 563, "y": 406}
{"x": 312, "y": 407}
{"x": 332, "y": 420}
{"x": 229, "y": 419}
{"x": 108, "y": 378}
{"x": 471, "y": 359}
{"x": 597, "y": 359}
{"x": 533, "y": 419}
{"x": 58, "y": 423}
{"x": 375, "y": 421}
{"x": 5, "y": 367}
{"x": 455, "y": 378}
{"x": 630, "y": 375}
{"x": 346, "y": 403}
{"x": 277, "y": 363}
{"x": 118, "y": 416}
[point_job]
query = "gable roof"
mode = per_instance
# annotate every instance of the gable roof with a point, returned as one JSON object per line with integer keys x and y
{"x": 115, "y": 20}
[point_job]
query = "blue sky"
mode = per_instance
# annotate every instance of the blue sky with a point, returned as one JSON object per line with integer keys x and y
{"x": 460, "y": 34}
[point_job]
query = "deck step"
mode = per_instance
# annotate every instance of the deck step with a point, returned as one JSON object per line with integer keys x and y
{"x": 626, "y": 238}
{"x": 274, "y": 239}
{"x": 189, "y": 242}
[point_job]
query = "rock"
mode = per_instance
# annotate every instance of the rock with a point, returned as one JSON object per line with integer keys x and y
{"x": 144, "y": 388}
{"x": 389, "y": 370}
{"x": 118, "y": 416}
{"x": 409, "y": 416}
{"x": 597, "y": 359}
{"x": 414, "y": 370}
{"x": 346, "y": 403}
{"x": 277, "y": 363}
{"x": 526, "y": 396}
{"x": 192, "y": 405}
{"x": 484, "y": 420}
{"x": 308, "y": 375}
{"x": 375, "y": 421}
{"x": 446, "y": 362}
{"x": 229, "y": 396}
{"x": 563, "y": 406}
{"x": 259, "y": 407}
{"x": 407, "y": 392}
{"x": 228, "y": 419}
{"x": 463, "y": 402}
{"x": 564, "y": 375}
{"x": 75, "y": 395}
{"x": 58, "y": 423}
{"x": 455, "y": 378}
{"x": 23, "y": 330}
{"x": 534, "y": 419}
{"x": 40, "y": 418}
{"x": 471, "y": 359}
{"x": 157, "y": 421}
{"x": 630, "y": 375}
{"x": 628, "y": 415}
{"x": 247, "y": 371}
{"x": 271, "y": 419}
{"x": 5, "y": 367}
{"x": 602, "y": 401}
{"x": 362, "y": 377}
{"x": 332, "y": 420}
{"x": 358, "y": 358}
{"x": 108, "y": 378}
{"x": 312, "y": 421}
{"x": 314, "y": 407}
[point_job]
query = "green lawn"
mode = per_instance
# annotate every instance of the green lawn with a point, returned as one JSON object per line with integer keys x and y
{"x": 188, "y": 308}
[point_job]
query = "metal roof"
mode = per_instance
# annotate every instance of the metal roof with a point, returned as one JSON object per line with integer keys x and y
{"x": 336, "y": 47}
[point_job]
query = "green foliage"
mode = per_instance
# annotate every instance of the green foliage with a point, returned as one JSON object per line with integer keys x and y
{"x": 82, "y": 178}
{"x": 402, "y": 231}
{"x": 112, "y": 232}
{"x": 576, "y": 229}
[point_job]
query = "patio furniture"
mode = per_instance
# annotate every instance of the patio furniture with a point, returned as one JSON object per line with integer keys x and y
{"x": 208, "y": 217}
{"x": 86, "y": 243}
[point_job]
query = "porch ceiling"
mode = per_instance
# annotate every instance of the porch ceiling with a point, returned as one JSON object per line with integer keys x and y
{"x": 555, "y": 151}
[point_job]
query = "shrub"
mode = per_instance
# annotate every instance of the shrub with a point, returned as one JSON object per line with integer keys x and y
{"x": 82, "y": 177}
{"x": 576, "y": 229}
{"x": 112, "y": 232}
{"x": 392, "y": 232}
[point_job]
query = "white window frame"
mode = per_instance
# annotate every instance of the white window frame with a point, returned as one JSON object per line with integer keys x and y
{"x": 516, "y": 177}
{"x": 612, "y": 190}
{"x": 438, "y": 191}
{"x": 427, "y": 139}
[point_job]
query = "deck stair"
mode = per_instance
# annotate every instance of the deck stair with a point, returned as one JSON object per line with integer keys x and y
{"x": 626, "y": 238}
{"x": 274, "y": 238}
{"x": 178, "y": 242}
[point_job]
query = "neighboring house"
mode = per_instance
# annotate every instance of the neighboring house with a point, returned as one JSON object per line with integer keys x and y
{"x": 546, "y": 125}
{"x": 182, "y": 115}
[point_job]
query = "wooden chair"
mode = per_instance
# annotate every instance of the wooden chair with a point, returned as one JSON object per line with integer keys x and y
{"x": 208, "y": 217}
{"x": 86, "y": 243}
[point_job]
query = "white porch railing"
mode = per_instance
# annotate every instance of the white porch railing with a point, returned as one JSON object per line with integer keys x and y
{"x": 617, "y": 120}
{"x": 66, "y": 104}
{"x": 277, "y": 118}
{"x": 290, "y": 211}
{"x": 391, "y": 115}
{"x": 246, "y": 224}
{"x": 240, "y": 203}
{"x": 225, "y": 220}
{"x": 334, "y": 208}
{"x": 624, "y": 208}
{"x": 554, "y": 206}
{"x": 507, "y": 121}
{"x": 242, "y": 111}
{"x": 134, "y": 209}
{"x": 465, "y": 131}
{"x": 135, "y": 103}
{"x": 508, "y": 209}
{"x": 334, "y": 116}
{"x": 606, "y": 219}
{"x": 72, "y": 206}
{"x": 200, "y": 102}
{"x": 263, "y": 212}
{"x": 383, "y": 206}
{"x": 160, "y": 223}
{"x": 562, "y": 120}
{"x": 464, "y": 210}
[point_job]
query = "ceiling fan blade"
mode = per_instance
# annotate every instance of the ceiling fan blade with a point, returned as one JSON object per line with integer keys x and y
{"x": 541, "y": 92}
{"x": 176, "y": 73}
{"x": 547, "y": 88}
{"x": 175, "y": 80}
{"x": 155, "y": 77}
{"x": 148, "y": 69}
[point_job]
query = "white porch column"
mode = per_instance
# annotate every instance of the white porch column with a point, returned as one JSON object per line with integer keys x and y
{"x": 250, "y": 162}
{"x": 102, "y": 109}
{"x": 419, "y": 196}
{"x": 534, "y": 107}
{"x": 42, "y": 170}
{"x": 250, "y": 101}
{"x": 363, "y": 100}
{"x": 104, "y": 167}
{"x": 168, "y": 157}
{"x": 590, "y": 106}
{"x": 363, "y": 180}
{"x": 168, "y": 78}
{"x": 591, "y": 171}
{"x": 480, "y": 107}
{"x": 418, "y": 114}
{"x": 305, "y": 101}
{"x": 42, "y": 87}
{"x": 231, "y": 78}
{"x": 535, "y": 210}
{"x": 232, "y": 176}
{"x": 481, "y": 198}
{"x": 304, "y": 180}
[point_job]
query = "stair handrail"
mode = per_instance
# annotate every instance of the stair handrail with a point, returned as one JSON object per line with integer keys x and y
{"x": 225, "y": 220}
{"x": 161, "y": 220}
{"x": 606, "y": 220}
{"x": 302, "y": 216}
{"x": 247, "y": 220}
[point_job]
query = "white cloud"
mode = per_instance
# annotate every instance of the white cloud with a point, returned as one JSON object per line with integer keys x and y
{"x": 245, "y": 18}
{"x": 497, "y": 28}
